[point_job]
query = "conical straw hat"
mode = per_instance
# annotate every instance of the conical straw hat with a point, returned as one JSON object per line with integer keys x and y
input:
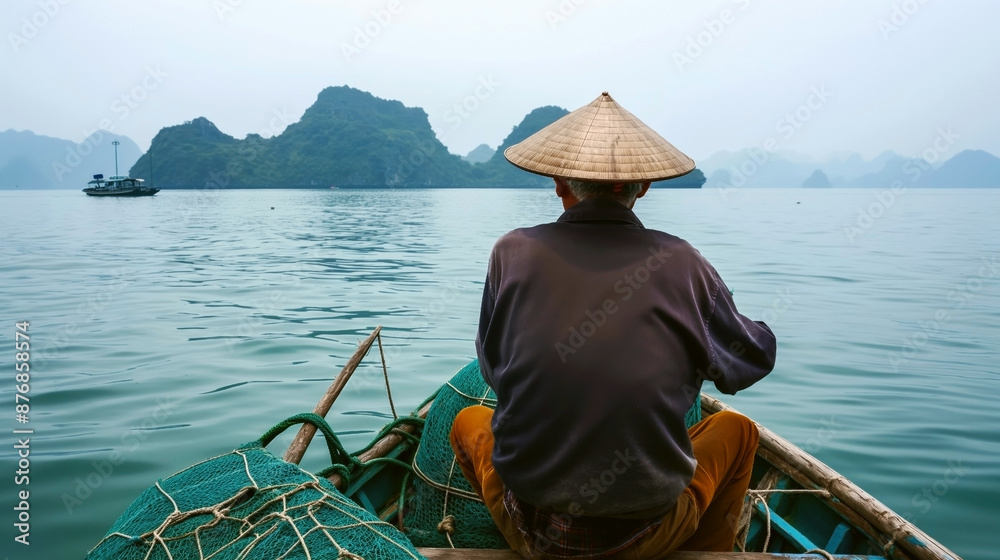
{"x": 600, "y": 142}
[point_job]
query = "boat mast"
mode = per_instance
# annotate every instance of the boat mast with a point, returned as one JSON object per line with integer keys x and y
{"x": 115, "y": 143}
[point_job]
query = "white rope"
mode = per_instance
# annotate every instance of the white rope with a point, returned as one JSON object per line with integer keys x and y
{"x": 821, "y": 552}
{"x": 447, "y": 524}
{"x": 443, "y": 487}
{"x": 760, "y": 497}
{"x": 755, "y": 499}
{"x": 481, "y": 400}
{"x": 265, "y": 523}
{"x": 246, "y": 467}
{"x": 169, "y": 497}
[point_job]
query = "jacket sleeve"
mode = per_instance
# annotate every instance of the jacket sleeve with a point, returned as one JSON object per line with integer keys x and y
{"x": 485, "y": 317}
{"x": 741, "y": 351}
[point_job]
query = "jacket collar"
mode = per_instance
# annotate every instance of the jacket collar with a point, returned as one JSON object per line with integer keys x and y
{"x": 600, "y": 210}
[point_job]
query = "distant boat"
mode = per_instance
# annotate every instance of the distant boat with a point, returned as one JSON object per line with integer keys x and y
{"x": 118, "y": 185}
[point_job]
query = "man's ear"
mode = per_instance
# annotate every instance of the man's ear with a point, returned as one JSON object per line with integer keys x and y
{"x": 642, "y": 191}
{"x": 562, "y": 189}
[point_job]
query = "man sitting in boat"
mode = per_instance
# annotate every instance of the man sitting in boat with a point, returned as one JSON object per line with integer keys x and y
{"x": 596, "y": 334}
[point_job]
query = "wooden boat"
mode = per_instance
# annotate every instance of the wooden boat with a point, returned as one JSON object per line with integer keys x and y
{"x": 119, "y": 185}
{"x": 797, "y": 507}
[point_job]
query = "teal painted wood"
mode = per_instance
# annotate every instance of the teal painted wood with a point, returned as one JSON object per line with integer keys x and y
{"x": 837, "y": 537}
{"x": 799, "y": 522}
{"x": 802, "y": 521}
{"x": 792, "y": 535}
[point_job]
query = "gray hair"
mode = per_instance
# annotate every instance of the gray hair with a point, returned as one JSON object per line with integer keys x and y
{"x": 583, "y": 190}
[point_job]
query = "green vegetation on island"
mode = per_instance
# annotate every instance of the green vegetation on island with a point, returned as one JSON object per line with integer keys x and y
{"x": 347, "y": 138}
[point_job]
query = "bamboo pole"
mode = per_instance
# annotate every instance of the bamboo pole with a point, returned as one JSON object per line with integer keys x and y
{"x": 298, "y": 447}
{"x": 900, "y": 532}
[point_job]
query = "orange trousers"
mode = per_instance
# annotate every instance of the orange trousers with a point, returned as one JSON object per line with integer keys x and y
{"x": 706, "y": 514}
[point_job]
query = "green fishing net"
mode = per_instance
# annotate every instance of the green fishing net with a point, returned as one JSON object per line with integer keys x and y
{"x": 444, "y": 505}
{"x": 445, "y": 510}
{"x": 249, "y": 504}
{"x": 693, "y": 415}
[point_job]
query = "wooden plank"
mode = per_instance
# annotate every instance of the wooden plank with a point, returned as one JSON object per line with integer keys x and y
{"x": 486, "y": 554}
{"x": 852, "y": 516}
{"x": 903, "y": 534}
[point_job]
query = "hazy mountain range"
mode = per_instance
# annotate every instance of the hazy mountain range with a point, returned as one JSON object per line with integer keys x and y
{"x": 752, "y": 168}
{"x": 30, "y": 161}
{"x": 480, "y": 154}
{"x": 350, "y": 138}
{"x": 347, "y": 138}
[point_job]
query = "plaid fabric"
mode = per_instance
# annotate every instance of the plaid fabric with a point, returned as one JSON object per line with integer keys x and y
{"x": 564, "y": 535}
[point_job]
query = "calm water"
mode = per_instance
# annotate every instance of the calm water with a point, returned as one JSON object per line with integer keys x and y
{"x": 168, "y": 329}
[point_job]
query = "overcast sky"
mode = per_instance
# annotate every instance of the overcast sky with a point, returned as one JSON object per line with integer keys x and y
{"x": 818, "y": 77}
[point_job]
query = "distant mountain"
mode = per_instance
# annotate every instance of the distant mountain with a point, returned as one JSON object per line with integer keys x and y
{"x": 693, "y": 180}
{"x": 818, "y": 180}
{"x": 347, "y": 138}
{"x": 498, "y": 172}
{"x": 848, "y": 167}
{"x": 32, "y": 161}
{"x": 968, "y": 169}
{"x": 755, "y": 167}
{"x": 481, "y": 153}
{"x": 896, "y": 168}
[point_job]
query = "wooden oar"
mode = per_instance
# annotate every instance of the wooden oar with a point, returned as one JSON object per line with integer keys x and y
{"x": 298, "y": 447}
